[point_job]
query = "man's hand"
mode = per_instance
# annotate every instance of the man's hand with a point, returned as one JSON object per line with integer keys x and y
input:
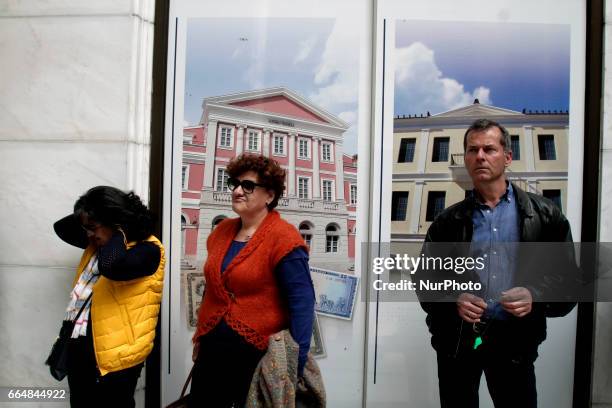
{"x": 470, "y": 307}
{"x": 517, "y": 301}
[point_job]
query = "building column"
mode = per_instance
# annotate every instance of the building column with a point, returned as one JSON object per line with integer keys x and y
{"x": 423, "y": 144}
{"x": 240, "y": 139}
{"x": 291, "y": 146}
{"x": 339, "y": 172}
{"x": 211, "y": 146}
{"x": 316, "y": 175}
{"x": 529, "y": 153}
{"x": 266, "y": 142}
{"x": 415, "y": 213}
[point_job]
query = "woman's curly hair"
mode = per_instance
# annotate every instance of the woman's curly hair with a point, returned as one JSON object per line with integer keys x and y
{"x": 112, "y": 207}
{"x": 269, "y": 173}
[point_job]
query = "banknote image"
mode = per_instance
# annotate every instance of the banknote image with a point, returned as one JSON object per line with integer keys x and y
{"x": 195, "y": 291}
{"x": 317, "y": 348}
{"x": 335, "y": 292}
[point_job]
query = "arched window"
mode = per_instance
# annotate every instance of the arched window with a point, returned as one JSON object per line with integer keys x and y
{"x": 183, "y": 222}
{"x": 217, "y": 220}
{"x": 332, "y": 234}
{"x": 306, "y": 230}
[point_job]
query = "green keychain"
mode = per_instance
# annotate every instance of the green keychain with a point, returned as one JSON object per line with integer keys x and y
{"x": 477, "y": 342}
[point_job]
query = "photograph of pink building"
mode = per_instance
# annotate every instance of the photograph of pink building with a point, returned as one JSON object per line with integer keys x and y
{"x": 321, "y": 188}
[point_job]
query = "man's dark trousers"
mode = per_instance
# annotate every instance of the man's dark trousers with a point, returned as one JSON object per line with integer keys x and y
{"x": 506, "y": 361}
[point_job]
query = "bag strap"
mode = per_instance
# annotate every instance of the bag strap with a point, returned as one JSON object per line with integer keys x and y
{"x": 82, "y": 307}
{"x": 187, "y": 382}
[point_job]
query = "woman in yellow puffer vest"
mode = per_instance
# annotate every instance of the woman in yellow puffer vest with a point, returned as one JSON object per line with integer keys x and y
{"x": 118, "y": 289}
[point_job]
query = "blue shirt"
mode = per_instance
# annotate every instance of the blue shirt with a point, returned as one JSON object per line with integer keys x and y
{"x": 293, "y": 277}
{"x": 495, "y": 239}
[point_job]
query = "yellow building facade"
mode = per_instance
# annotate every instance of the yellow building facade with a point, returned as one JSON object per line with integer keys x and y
{"x": 428, "y": 167}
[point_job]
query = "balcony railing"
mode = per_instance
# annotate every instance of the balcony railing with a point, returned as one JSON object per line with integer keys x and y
{"x": 457, "y": 159}
{"x": 290, "y": 203}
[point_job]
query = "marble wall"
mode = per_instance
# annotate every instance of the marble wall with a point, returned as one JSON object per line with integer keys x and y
{"x": 74, "y": 113}
{"x": 602, "y": 374}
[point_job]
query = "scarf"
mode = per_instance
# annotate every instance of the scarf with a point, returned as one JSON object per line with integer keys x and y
{"x": 79, "y": 295}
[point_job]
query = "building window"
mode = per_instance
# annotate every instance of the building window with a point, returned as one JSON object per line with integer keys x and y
{"x": 217, "y": 220}
{"x": 303, "y": 187}
{"x": 516, "y": 147}
{"x": 353, "y": 191}
{"x": 399, "y": 205}
{"x": 327, "y": 188}
{"x": 222, "y": 180}
{"x": 406, "y": 152}
{"x": 554, "y": 196}
{"x": 279, "y": 145}
{"x": 546, "y": 144}
{"x": 440, "y": 149}
{"x": 331, "y": 238}
{"x": 185, "y": 177}
{"x": 435, "y": 204}
{"x": 303, "y": 149}
{"x": 306, "y": 233}
{"x": 326, "y": 152}
{"x": 253, "y": 141}
{"x": 225, "y": 137}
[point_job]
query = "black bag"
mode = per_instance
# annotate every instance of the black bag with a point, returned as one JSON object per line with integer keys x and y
{"x": 58, "y": 357}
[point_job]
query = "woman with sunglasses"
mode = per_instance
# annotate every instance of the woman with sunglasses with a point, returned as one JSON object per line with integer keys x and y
{"x": 117, "y": 290}
{"x": 257, "y": 284}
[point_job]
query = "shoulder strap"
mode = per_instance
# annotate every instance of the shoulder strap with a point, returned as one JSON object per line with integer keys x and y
{"x": 83, "y": 307}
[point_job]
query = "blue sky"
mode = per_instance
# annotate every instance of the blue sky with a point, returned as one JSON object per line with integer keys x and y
{"x": 314, "y": 57}
{"x": 445, "y": 65}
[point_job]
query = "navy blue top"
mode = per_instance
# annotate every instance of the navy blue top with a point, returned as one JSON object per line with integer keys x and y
{"x": 293, "y": 277}
{"x": 495, "y": 238}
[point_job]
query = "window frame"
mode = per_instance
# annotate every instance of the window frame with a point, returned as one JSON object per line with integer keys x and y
{"x": 308, "y": 148}
{"x": 409, "y": 141}
{"x": 395, "y": 200}
{"x": 309, "y": 190}
{"x": 439, "y": 139}
{"x": 332, "y": 188}
{"x": 248, "y": 140}
{"x": 331, "y": 152}
{"x": 431, "y": 212}
{"x": 283, "y": 139}
{"x": 220, "y": 137}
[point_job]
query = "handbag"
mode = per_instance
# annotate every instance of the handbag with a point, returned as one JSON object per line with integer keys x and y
{"x": 183, "y": 400}
{"x": 58, "y": 357}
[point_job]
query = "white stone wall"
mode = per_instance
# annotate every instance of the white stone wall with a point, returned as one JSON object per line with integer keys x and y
{"x": 602, "y": 373}
{"x": 74, "y": 113}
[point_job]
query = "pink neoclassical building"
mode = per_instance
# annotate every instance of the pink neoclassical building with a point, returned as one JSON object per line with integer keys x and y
{"x": 321, "y": 195}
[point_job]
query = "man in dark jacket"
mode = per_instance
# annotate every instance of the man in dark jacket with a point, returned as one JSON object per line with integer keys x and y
{"x": 498, "y": 328}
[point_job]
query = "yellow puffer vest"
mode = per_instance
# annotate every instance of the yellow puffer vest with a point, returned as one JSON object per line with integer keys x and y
{"x": 124, "y": 315}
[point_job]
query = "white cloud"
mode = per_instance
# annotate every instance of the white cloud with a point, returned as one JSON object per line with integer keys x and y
{"x": 305, "y": 49}
{"x": 420, "y": 85}
{"x": 336, "y": 77}
{"x": 349, "y": 117}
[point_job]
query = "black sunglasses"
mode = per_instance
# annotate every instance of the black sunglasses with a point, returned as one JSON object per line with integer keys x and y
{"x": 248, "y": 186}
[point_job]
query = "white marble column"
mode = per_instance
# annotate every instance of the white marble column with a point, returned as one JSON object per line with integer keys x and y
{"x": 415, "y": 213}
{"x": 291, "y": 147}
{"x": 316, "y": 171}
{"x": 240, "y": 139}
{"x": 422, "y": 155}
{"x": 529, "y": 148}
{"x": 339, "y": 172}
{"x": 211, "y": 146}
{"x": 266, "y": 142}
{"x": 75, "y": 109}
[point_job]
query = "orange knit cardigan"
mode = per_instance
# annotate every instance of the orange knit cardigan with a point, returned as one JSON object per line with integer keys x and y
{"x": 247, "y": 295}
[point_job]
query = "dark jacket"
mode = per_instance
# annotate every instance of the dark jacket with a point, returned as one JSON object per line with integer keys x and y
{"x": 540, "y": 221}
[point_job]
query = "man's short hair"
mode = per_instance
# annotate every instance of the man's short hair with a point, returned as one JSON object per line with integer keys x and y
{"x": 484, "y": 124}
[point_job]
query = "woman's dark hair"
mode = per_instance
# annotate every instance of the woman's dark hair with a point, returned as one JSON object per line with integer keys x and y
{"x": 269, "y": 173}
{"x": 112, "y": 207}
